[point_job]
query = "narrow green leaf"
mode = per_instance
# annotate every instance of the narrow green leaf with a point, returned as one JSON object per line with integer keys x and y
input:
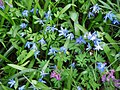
{"x": 16, "y": 66}
{"x": 118, "y": 68}
{"x": 4, "y": 58}
{"x": 81, "y": 28}
{"x": 45, "y": 66}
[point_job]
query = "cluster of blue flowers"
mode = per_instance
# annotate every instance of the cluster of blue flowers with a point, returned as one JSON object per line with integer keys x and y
{"x": 112, "y": 17}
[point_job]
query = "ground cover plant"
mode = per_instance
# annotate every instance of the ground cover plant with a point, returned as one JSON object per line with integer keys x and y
{"x": 59, "y": 44}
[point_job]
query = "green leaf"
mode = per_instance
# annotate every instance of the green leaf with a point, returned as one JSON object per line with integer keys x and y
{"x": 31, "y": 53}
{"x": 4, "y": 58}
{"x": 118, "y": 68}
{"x": 45, "y": 66}
{"x": 16, "y": 66}
{"x": 81, "y": 28}
{"x": 65, "y": 9}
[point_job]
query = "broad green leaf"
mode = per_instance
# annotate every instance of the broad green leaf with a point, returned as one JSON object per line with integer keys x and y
{"x": 118, "y": 68}
{"x": 31, "y": 53}
{"x": 45, "y": 66}
{"x": 81, "y": 28}
{"x": 20, "y": 5}
{"x": 114, "y": 44}
{"x": 65, "y": 9}
{"x": 17, "y": 67}
{"x": 4, "y": 58}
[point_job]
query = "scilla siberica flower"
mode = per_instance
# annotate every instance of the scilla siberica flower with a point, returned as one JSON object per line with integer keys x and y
{"x": 2, "y": 5}
{"x": 110, "y": 16}
{"x": 80, "y": 40}
{"x": 22, "y": 87}
{"x": 52, "y": 51}
{"x": 42, "y": 41}
{"x": 36, "y": 53}
{"x": 23, "y": 25}
{"x": 63, "y": 32}
{"x": 90, "y": 14}
{"x": 32, "y": 10}
{"x": 11, "y": 82}
{"x": 25, "y": 13}
{"x": 48, "y": 15}
{"x": 79, "y": 88}
{"x": 95, "y": 8}
{"x": 63, "y": 49}
{"x": 70, "y": 36}
{"x": 101, "y": 66}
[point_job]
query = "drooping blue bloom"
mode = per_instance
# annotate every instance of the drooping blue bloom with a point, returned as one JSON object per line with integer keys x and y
{"x": 115, "y": 21}
{"x": 98, "y": 47}
{"x": 79, "y": 88}
{"x": 48, "y": 15}
{"x": 88, "y": 47}
{"x": 42, "y": 41}
{"x": 36, "y": 53}
{"x": 52, "y": 51}
{"x": 90, "y": 14}
{"x": 110, "y": 16}
{"x": 41, "y": 21}
{"x": 43, "y": 74}
{"x": 11, "y": 82}
{"x": 63, "y": 49}
{"x": 25, "y": 13}
{"x": 23, "y": 25}
{"x": 95, "y": 8}
{"x": 63, "y": 32}
{"x": 72, "y": 65}
{"x": 31, "y": 45}
{"x": 41, "y": 80}
{"x": 22, "y": 87}
{"x": 22, "y": 34}
{"x": 32, "y": 10}
{"x": 92, "y": 36}
{"x": 80, "y": 40}
{"x": 101, "y": 66}
{"x": 53, "y": 28}
{"x": 2, "y": 5}
{"x": 70, "y": 36}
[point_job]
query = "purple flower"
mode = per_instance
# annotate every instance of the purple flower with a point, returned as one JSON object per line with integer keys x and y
{"x": 117, "y": 83}
{"x": 110, "y": 16}
{"x": 25, "y": 13}
{"x": 104, "y": 78}
{"x": 80, "y": 40}
{"x": 52, "y": 51}
{"x": 55, "y": 75}
{"x": 63, "y": 49}
{"x": 23, "y": 25}
{"x": 2, "y": 5}
{"x": 95, "y": 8}
{"x": 42, "y": 41}
{"x": 11, "y": 82}
{"x": 22, "y": 87}
{"x": 101, "y": 66}
{"x": 70, "y": 36}
{"x": 63, "y": 32}
{"x": 110, "y": 75}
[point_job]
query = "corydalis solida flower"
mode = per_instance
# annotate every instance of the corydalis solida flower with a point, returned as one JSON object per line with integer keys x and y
{"x": 1, "y": 4}
{"x": 55, "y": 75}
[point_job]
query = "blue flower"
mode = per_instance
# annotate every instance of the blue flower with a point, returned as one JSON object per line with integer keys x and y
{"x": 2, "y": 5}
{"x": 79, "y": 88}
{"x": 72, "y": 65}
{"x": 48, "y": 15}
{"x": 101, "y": 66}
{"x": 80, "y": 40}
{"x": 41, "y": 21}
{"x": 70, "y": 36}
{"x": 11, "y": 82}
{"x": 52, "y": 51}
{"x": 36, "y": 53}
{"x": 90, "y": 14}
{"x": 34, "y": 47}
{"x": 95, "y": 8}
{"x": 98, "y": 47}
{"x": 22, "y": 87}
{"x": 31, "y": 45}
{"x": 63, "y": 49}
{"x": 32, "y": 10}
{"x": 43, "y": 74}
{"x": 92, "y": 36}
{"x": 115, "y": 21}
{"x": 53, "y": 28}
{"x": 25, "y": 13}
{"x": 110, "y": 16}
{"x": 88, "y": 47}
{"x": 23, "y": 25}
{"x": 41, "y": 80}
{"x": 42, "y": 41}
{"x": 63, "y": 32}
